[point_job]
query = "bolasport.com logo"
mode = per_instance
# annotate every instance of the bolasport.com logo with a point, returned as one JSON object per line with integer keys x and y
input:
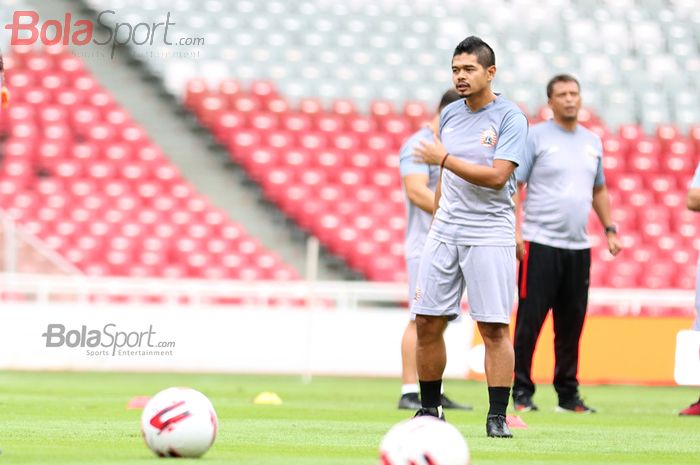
{"x": 28, "y": 29}
{"x": 107, "y": 341}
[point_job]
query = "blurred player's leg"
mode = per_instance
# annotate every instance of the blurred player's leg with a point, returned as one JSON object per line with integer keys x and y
{"x": 537, "y": 284}
{"x": 431, "y": 359}
{"x": 409, "y": 378}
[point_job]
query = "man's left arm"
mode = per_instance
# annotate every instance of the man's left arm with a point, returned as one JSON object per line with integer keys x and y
{"x": 508, "y": 155}
{"x": 601, "y": 205}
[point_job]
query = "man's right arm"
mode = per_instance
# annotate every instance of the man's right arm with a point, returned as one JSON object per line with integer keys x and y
{"x": 519, "y": 243}
{"x": 418, "y": 192}
{"x": 694, "y": 199}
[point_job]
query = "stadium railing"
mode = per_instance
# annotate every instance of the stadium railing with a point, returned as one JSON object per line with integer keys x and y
{"x": 340, "y": 295}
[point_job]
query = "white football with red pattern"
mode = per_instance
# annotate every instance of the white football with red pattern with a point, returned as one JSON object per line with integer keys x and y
{"x": 423, "y": 441}
{"x": 179, "y": 422}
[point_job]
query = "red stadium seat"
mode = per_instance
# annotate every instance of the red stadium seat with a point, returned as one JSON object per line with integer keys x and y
{"x": 417, "y": 114}
{"x": 631, "y": 133}
{"x": 329, "y": 123}
{"x": 311, "y": 107}
{"x": 659, "y": 276}
{"x": 264, "y": 121}
{"x": 263, "y": 91}
{"x": 295, "y": 122}
{"x": 360, "y": 124}
{"x": 677, "y": 163}
{"x": 226, "y": 122}
{"x": 294, "y": 197}
{"x": 229, "y": 88}
{"x": 381, "y": 110}
{"x": 210, "y": 107}
{"x": 260, "y": 161}
{"x": 277, "y": 106}
{"x": 646, "y": 164}
{"x": 344, "y": 108}
{"x": 623, "y": 274}
{"x": 314, "y": 141}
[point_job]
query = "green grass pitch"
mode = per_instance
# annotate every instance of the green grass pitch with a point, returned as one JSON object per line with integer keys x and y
{"x": 75, "y": 418}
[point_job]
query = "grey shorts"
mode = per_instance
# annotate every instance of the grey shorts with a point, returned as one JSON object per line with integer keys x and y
{"x": 487, "y": 273}
{"x": 412, "y": 266}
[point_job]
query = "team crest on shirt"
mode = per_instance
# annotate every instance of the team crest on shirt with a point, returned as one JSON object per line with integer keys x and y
{"x": 591, "y": 151}
{"x": 488, "y": 138}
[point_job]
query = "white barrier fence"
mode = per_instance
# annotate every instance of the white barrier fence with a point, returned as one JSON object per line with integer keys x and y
{"x": 342, "y": 328}
{"x": 342, "y": 295}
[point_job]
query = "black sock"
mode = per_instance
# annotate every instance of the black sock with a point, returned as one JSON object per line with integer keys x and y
{"x": 498, "y": 400}
{"x": 430, "y": 393}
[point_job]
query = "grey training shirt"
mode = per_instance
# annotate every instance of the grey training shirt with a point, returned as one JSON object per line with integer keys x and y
{"x": 561, "y": 169}
{"x": 469, "y": 214}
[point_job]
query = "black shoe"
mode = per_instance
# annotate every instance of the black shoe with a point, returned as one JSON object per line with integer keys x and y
{"x": 524, "y": 404}
{"x": 574, "y": 405}
{"x": 430, "y": 412}
{"x": 449, "y": 403}
{"x": 410, "y": 401}
{"x": 496, "y": 427}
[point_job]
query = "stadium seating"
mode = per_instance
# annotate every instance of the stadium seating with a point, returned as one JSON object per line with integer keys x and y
{"x": 81, "y": 175}
{"x": 335, "y": 172}
{"x": 313, "y": 98}
{"x": 635, "y": 59}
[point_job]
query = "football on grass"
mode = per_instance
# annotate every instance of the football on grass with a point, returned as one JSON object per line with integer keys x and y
{"x": 179, "y": 422}
{"x": 423, "y": 441}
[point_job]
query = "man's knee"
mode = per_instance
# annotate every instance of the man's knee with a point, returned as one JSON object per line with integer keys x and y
{"x": 430, "y": 328}
{"x": 493, "y": 332}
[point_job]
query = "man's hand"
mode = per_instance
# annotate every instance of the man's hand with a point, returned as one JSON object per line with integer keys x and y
{"x": 519, "y": 247}
{"x": 430, "y": 153}
{"x": 614, "y": 244}
{"x": 4, "y": 96}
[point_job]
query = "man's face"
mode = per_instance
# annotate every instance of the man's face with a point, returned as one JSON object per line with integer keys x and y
{"x": 468, "y": 76}
{"x": 565, "y": 100}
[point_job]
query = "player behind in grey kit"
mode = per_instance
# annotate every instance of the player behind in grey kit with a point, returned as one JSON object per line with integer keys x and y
{"x": 471, "y": 242}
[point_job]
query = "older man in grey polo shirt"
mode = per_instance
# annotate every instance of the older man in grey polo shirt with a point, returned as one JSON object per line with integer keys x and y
{"x": 564, "y": 176}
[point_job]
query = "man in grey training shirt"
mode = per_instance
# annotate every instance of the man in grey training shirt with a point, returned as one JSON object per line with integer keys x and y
{"x": 694, "y": 205}
{"x": 419, "y": 181}
{"x": 471, "y": 242}
{"x": 564, "y": 177}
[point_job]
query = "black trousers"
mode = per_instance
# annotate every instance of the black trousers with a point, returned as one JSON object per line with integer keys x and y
{"x": 554, "y": 278}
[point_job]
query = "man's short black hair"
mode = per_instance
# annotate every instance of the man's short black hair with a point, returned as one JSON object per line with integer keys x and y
{"x": 473, "y": 45}
{"x": 447, "y": 98}
{"x": 560, "y": 78}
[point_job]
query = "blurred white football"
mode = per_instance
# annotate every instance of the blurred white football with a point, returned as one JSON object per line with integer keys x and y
{"x": 423, "y": 441}
{"x": 179, "y": 422}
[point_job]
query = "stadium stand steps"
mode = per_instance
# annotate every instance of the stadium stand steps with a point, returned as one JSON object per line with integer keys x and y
{"x": 81, "y": 175}
{"x": 167, "y": 124}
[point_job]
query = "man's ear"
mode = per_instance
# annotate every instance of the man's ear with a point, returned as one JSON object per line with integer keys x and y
{"x": 491, "y": 70}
